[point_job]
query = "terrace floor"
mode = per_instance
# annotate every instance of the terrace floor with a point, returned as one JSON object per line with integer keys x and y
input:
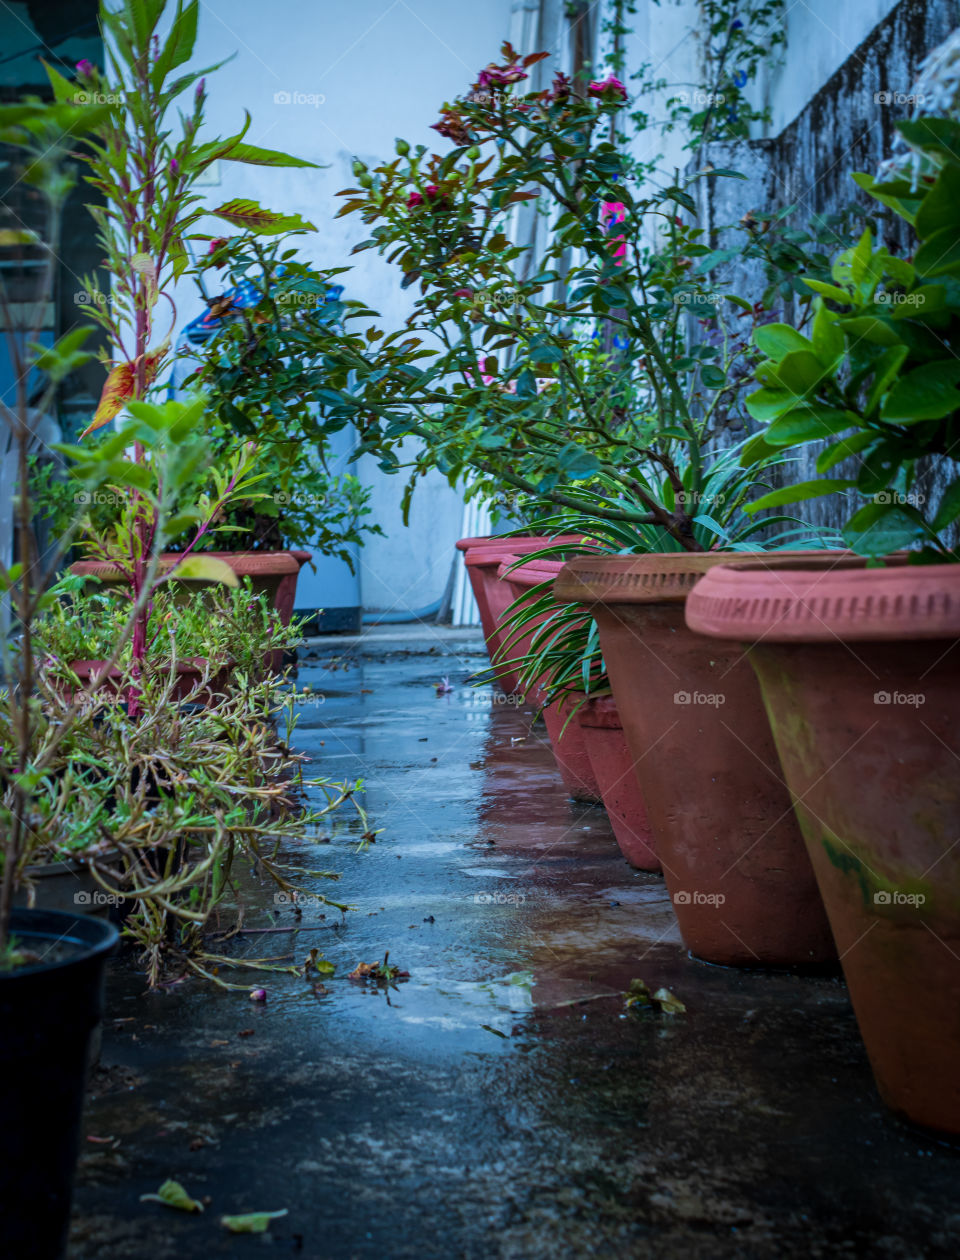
{"x": 501, "y": 1101}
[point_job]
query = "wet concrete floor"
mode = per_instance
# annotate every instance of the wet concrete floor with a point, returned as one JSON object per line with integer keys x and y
{"x": 501, "y": 1101}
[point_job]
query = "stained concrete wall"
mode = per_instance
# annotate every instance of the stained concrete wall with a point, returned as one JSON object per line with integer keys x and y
{"x": 846, "y": 125}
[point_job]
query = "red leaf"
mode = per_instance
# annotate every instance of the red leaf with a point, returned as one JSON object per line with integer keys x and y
{"x": 119, "y": 387}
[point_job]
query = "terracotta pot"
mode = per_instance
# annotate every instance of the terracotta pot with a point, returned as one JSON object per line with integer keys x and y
{"x": 189, "y": 673}
{"x": 616, "y": 775}
{"x": 566, "y": 738}
{"x": 720, "y": 816}
{"x": 861, "y": 677}
{"x": 482, "y": 558}
{"x": 271, "y": 572}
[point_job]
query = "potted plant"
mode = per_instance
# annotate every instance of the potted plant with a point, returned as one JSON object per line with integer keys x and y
{"x": 147, "y": 169}
{"x": 51, "y": 964}
{"x": 578, "y": 382}
{"x": 857, "y": 660}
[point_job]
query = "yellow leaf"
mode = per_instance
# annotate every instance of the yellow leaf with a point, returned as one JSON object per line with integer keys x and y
{"x": 205, "y": 569}
{"x": 118, "y": 389}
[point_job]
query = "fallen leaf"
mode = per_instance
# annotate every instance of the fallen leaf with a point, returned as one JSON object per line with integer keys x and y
{"x": 252, "y": 1222}
{"x": 173, "y": 1195}
{"x": 669, "y": 1004}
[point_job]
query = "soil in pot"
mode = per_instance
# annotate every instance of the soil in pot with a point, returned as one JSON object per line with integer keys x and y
{"x": 616, "y": 775}
{"x": 49, "y": 1010}
{"x": 860, "y": 671}
{"x": 720, "y": 814}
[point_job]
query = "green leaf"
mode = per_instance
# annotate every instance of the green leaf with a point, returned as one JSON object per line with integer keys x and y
{"x": 767, "y": 404}
{"x": 526, "y": 384}
{"x": 828, "y": 340}
{"x": 805, "y": 424}
{"x": 178, "y": 46}
{"x": 885, "y": 371}
{"x": 831, "y": 291}
{"x": 205, "y": 569}
{"x": 851, "y": 445}
{"x": 252, "y": 1222}
{"x": 949, "y": 508}
{"x": 927, "y": 393}
{"x": 940, "y": 254}
{"x": 777, "y": 340}
{"x": 881, "y": 528}
{"x": 173, "y": 1195}
{"x": 252, "y": 217}
{"x": 795, "y": 494}
{"x": 712, "y": 377}
{"x": 256, "y": 156}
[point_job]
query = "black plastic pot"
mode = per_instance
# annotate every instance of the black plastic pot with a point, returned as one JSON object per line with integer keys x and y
{"x": 48, "y": 1013}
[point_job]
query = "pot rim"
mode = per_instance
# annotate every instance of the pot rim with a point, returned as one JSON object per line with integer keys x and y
{"x": 56, "y": 925}
{"x": 664, "y": 577}
{"x": 812, "y": 602}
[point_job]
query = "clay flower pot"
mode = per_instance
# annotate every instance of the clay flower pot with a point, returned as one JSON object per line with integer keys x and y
{"x": 861, "y": 677}
{"x": 189, "y": 674}
{"x": 272, "y": 572}
{"x": 720, "y": 816}
{"x": 616, "y": 775}
{"x": 483, "y": 558}
{"x": 566, "y": 738}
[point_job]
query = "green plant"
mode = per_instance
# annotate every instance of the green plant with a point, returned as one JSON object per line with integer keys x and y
{"x": 224, "y": 627}
{"x": 267, "y": 373}
{"x": 878, "y": 379}
{"x": 564, "y": 369}
{"x": 147, "y": 168}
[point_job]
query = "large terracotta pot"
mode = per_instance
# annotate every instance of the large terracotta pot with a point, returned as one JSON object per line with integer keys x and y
{"x": 720, "y": 816}
{"x": 616, "y": 774}
{"x": 566, "y": 737}
{"x": 861, "y": 676}
{"x": 482, "y": 559}
{"x": 271, "y": 572}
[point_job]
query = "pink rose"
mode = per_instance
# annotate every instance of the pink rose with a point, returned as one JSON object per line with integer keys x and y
{"x": 500, "y": 76}
{"x": 609, "y": 88}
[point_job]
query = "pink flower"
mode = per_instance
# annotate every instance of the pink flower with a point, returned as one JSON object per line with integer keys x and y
{"x": 174, "y": 166}
{"x": 611, "y": 213}
{"x": 500, "y": 76}
{"x": 217, "y": 243}
{"x": 430, "y": 193}
{"x": 258, "y": 995}
{"x": 463, "y": 293}
{"x": 609, "y": 88}
{"x": 86, "y": 68}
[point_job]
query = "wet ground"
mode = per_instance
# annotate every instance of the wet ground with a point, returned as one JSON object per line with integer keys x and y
{"x": 501, "y": 1101}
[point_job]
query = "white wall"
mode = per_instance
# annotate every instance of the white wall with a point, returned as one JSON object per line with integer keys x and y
{"x": 821, "y": 35}
{"x": 376, "y": 69}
